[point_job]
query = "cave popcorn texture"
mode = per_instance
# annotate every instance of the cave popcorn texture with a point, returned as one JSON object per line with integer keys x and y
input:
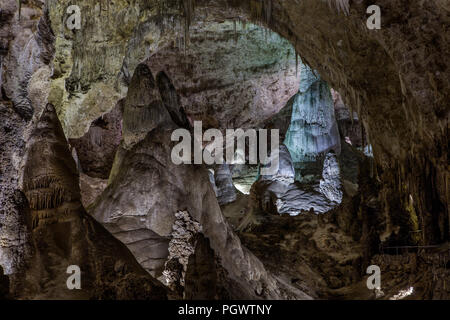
{"x": 330, "y": 185}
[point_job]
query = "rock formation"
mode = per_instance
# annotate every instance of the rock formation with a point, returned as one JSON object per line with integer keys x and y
{"x": 63, "y": 234}
{"x": 144, "y": 216}
{"x": 97, "y": 148}
{"x": 330, "y": 185}
{"x": 313, "y": 129}
{"x": 226, "y": 191}
{"x": 117, "y": 88}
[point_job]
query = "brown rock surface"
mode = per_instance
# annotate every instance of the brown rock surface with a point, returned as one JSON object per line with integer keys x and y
{"x": 63, "y": 234}
{"x": 396, "y": 79}
{"x": 158, "y": 189}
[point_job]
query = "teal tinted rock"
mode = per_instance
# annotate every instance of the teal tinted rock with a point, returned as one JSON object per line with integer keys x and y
{"x": 313, "y": 130}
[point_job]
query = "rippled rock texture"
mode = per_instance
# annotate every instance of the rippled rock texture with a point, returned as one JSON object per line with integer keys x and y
{"x": 330, "y": 184}
{"x": 226, "y": 191}
{"x": 143, "y": 214}
{"x": 313, "y": 129}
{"x": 63, "y": 234}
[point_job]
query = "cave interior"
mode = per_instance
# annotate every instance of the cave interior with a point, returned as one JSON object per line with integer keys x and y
{"x": 87, "y": 176}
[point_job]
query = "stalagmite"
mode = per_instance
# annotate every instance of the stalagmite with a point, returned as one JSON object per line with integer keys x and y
{"x": 313, "y": 130}
{"x": 350, "y": 192}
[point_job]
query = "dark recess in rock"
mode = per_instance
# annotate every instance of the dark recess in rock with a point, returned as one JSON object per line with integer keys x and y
{"x": 97, "y": 148}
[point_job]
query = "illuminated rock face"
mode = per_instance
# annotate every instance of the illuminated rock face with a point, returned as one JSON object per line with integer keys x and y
{"x": 285, "y": 173}
{"x": 244, "y": 175}
{"x": 330, "y": 185}
{"x": 313, "y": 130}
{"x": 226, "y": 192}
{"x": 404, "y": 112}
{"x": 139, "y": 206}
{"x": 280, "y": 194}
{"x": 311, "y": 144}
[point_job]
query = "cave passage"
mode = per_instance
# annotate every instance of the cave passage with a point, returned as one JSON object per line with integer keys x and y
{"x": 88, "y": 181}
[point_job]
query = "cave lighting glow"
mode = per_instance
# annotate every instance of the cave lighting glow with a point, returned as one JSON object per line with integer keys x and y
{"x": 245, "y": 189}
{"x": 403, "y": 294}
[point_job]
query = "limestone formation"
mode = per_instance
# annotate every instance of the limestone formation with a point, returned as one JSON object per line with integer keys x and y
{"x": 99, "y": 104}
{"x": 63, "y": 234}
{"x": 226, "y": 191}
{"x": 159, "y": 189}
{"x": 181, "y": 247}
{"x": 313, "y": 129}
{"x": 330, "y": 185}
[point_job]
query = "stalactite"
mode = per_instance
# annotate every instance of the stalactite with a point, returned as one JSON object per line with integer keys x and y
{"x": 341, "y": 5}
{"x": 189, "y": 8}
{"x": 244, "y": 25}
{"x": 46, "y": 198}
{"x": 19, "y": 4}
{"x": 40, "y": 182}
{"x": 351, "y": 113}
{"x": 256, "y": 9}
{"x": 235, "y": 31}
{"x": 267, "y": 11}
{"x": 261, "y": 10}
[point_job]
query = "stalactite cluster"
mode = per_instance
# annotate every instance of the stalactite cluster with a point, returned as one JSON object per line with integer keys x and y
{"x": 341, "y": 5}
{"x": 340, "y": 201}
{"x": 48, "y": 188}
{"x": 261, "y": 10}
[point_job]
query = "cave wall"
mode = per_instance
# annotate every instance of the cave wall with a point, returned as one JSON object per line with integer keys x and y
{"x": 231, "y": 75}
{"x": 147, "y": 190}
{"x": 395, "y": 78}
{"x": 404, "y": 114}
{"x": 26, "y": 53}
{"x": 62, "y": 234}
